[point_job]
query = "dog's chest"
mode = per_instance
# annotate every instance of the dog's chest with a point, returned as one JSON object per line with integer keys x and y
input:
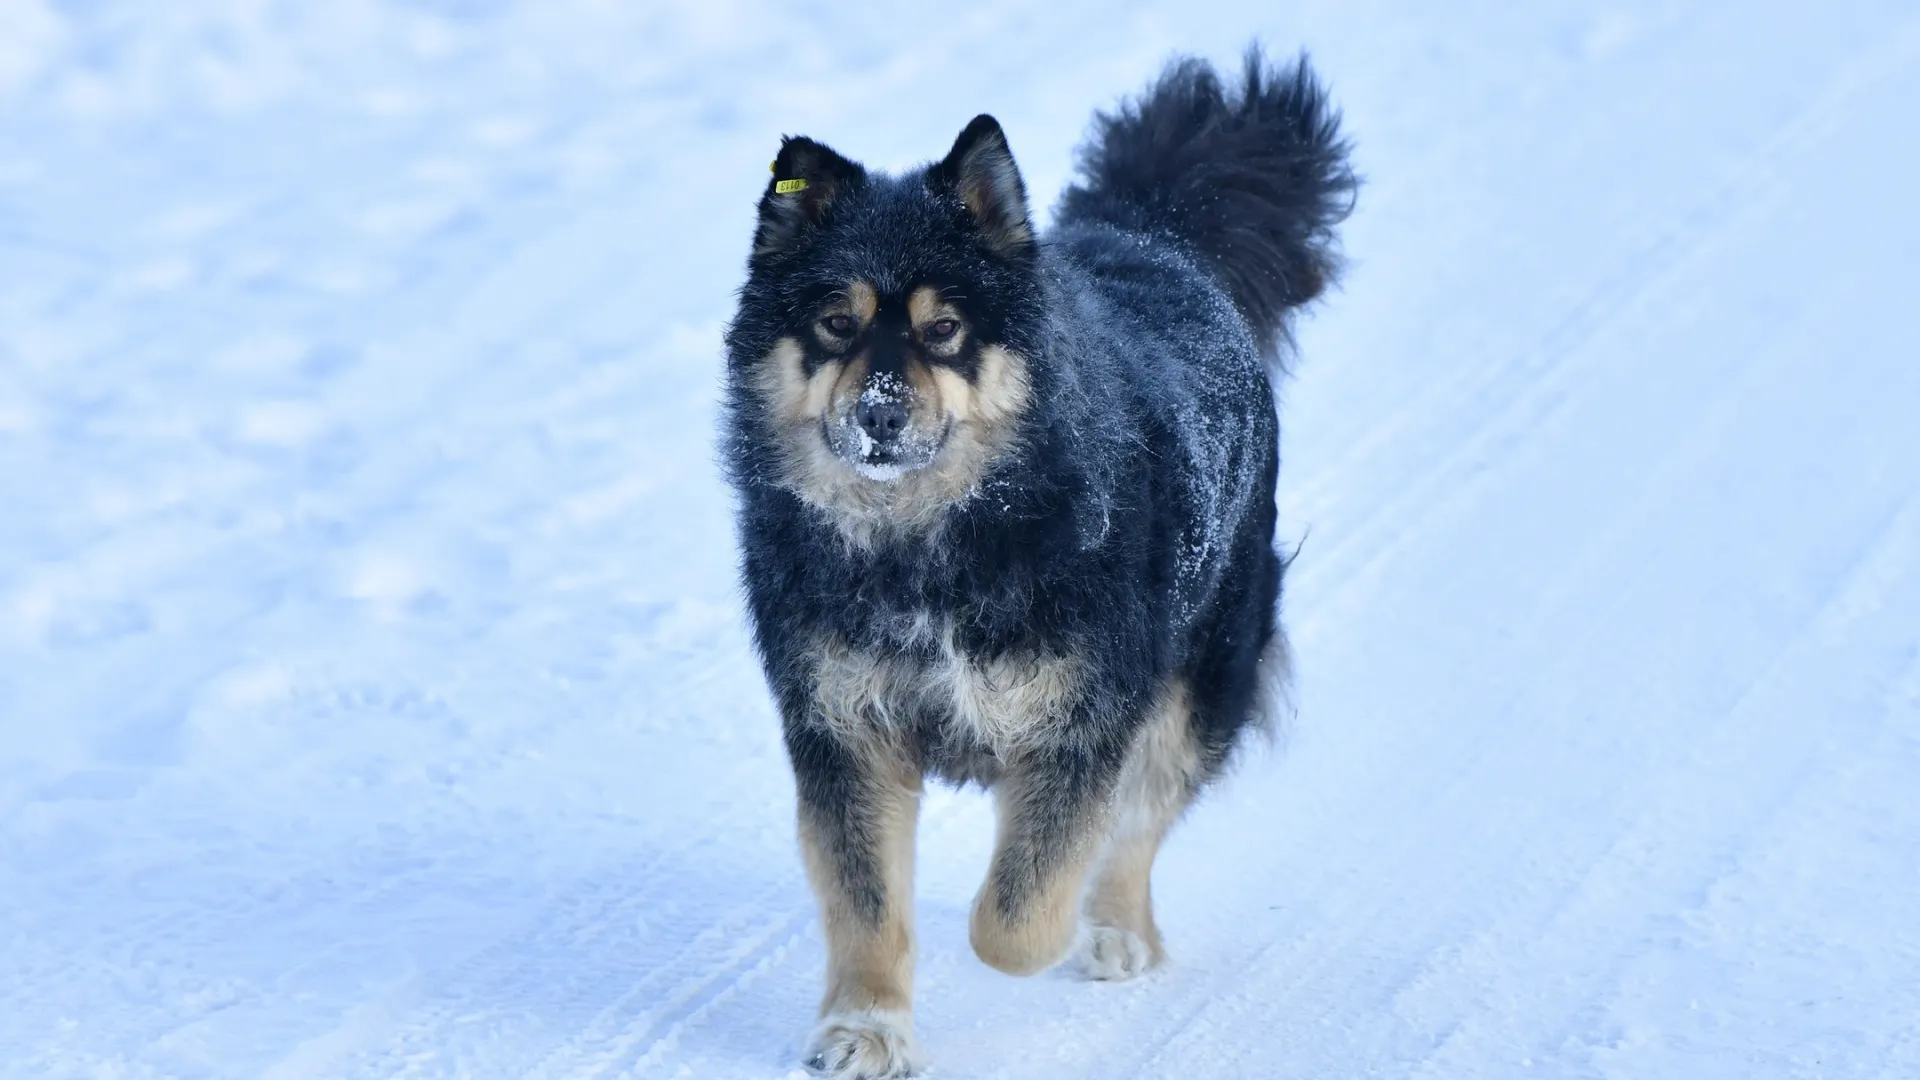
{"x": 952, "y": 701}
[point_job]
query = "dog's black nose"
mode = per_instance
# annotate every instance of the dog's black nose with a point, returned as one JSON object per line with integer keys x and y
{"x": 882, "y": 418}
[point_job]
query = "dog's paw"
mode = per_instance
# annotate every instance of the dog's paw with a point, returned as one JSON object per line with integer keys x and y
{"x": 1114, "y": 954}
{"x": 873, "y": 1045}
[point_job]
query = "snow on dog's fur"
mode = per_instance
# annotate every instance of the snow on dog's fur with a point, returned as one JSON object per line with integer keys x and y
{"x": 1006, "y": 505}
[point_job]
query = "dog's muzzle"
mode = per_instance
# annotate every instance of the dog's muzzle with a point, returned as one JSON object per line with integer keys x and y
{"x": 876, "y": 435}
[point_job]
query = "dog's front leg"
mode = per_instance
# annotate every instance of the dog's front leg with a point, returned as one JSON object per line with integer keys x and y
{"x": 859, "y": 802}
{"x": 1053, "y": 809}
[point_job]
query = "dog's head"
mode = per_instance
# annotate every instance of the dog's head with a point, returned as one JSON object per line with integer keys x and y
{"x": 883, "y": 330}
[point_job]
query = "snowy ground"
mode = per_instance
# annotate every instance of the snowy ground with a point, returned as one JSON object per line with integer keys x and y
{"x": 374, "y": 696}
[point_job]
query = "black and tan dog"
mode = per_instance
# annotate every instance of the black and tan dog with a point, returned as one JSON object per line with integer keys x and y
{"x": 1006, "y": 505}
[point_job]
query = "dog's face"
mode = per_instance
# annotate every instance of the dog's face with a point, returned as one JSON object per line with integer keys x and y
{"x": 880, "y": 326}
{"x": 891, "y": 378}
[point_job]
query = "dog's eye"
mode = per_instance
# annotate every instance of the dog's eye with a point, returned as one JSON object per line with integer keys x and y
{"x": 838, "y": 325}
{"x": 942, "y": 330}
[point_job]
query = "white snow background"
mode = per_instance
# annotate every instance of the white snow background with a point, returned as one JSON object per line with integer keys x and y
{"x": 375, "y": 698}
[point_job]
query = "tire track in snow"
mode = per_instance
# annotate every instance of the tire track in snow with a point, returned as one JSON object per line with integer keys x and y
{"x": 600, "y": 978}
{"x": 641, "y": 1041}
{"x": 1530, "y": 389}
{"x": 1642, "y": 857}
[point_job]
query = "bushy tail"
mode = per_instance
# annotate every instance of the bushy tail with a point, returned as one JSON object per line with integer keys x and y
{"x": 1254, "y": 179}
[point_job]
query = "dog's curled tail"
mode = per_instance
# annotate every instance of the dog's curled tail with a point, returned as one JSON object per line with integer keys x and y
{"x": 1254, "y": 179}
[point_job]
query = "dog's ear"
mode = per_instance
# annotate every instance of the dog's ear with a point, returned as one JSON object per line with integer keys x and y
{"x": 807, "y": 178}
{"x": 981, "y": 172}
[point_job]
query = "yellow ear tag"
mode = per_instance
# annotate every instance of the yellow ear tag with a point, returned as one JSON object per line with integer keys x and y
{"x": 788, "y": 187}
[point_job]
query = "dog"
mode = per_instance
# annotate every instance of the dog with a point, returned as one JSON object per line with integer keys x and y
{"x": 1005, "y": 504}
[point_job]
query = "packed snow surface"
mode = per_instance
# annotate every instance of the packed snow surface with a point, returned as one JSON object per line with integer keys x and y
{"x": 375, "y": 698}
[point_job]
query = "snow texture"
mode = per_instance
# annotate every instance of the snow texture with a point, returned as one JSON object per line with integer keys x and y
{"x": 375, "y": 698}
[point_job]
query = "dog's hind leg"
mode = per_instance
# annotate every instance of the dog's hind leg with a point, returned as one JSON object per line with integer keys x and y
{"x": 859, "y": 802}
{"x": 1052, "y": 806}
{"x": 1162, "y": 772}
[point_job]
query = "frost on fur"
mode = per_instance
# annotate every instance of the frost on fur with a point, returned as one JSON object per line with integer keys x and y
{"x": 1253, "y": 176}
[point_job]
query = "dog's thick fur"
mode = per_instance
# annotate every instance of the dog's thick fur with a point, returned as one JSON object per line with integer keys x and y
{"x": 1006, "y": 508}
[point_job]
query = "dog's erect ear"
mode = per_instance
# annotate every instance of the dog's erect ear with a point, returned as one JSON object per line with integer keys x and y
{"x": 981, "y": 172}
{"x": 807, "y": 178}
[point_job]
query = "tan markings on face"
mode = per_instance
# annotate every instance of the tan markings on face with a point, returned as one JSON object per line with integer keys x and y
{"x": 926, "y": 389}
{"x": 923, "y": 403}
{"x": 984, "y": 407}
{"x": 862, "y": 301}
{"x": 847, "y": 385}
{"x": 794, "y": 397}
{"x": 1000, "y": 387}
{"x": 956, "y": 393}
{"x": 983, "y": 415}
{"x": 925, "y": 308}
{"x": 858, "y": 301}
